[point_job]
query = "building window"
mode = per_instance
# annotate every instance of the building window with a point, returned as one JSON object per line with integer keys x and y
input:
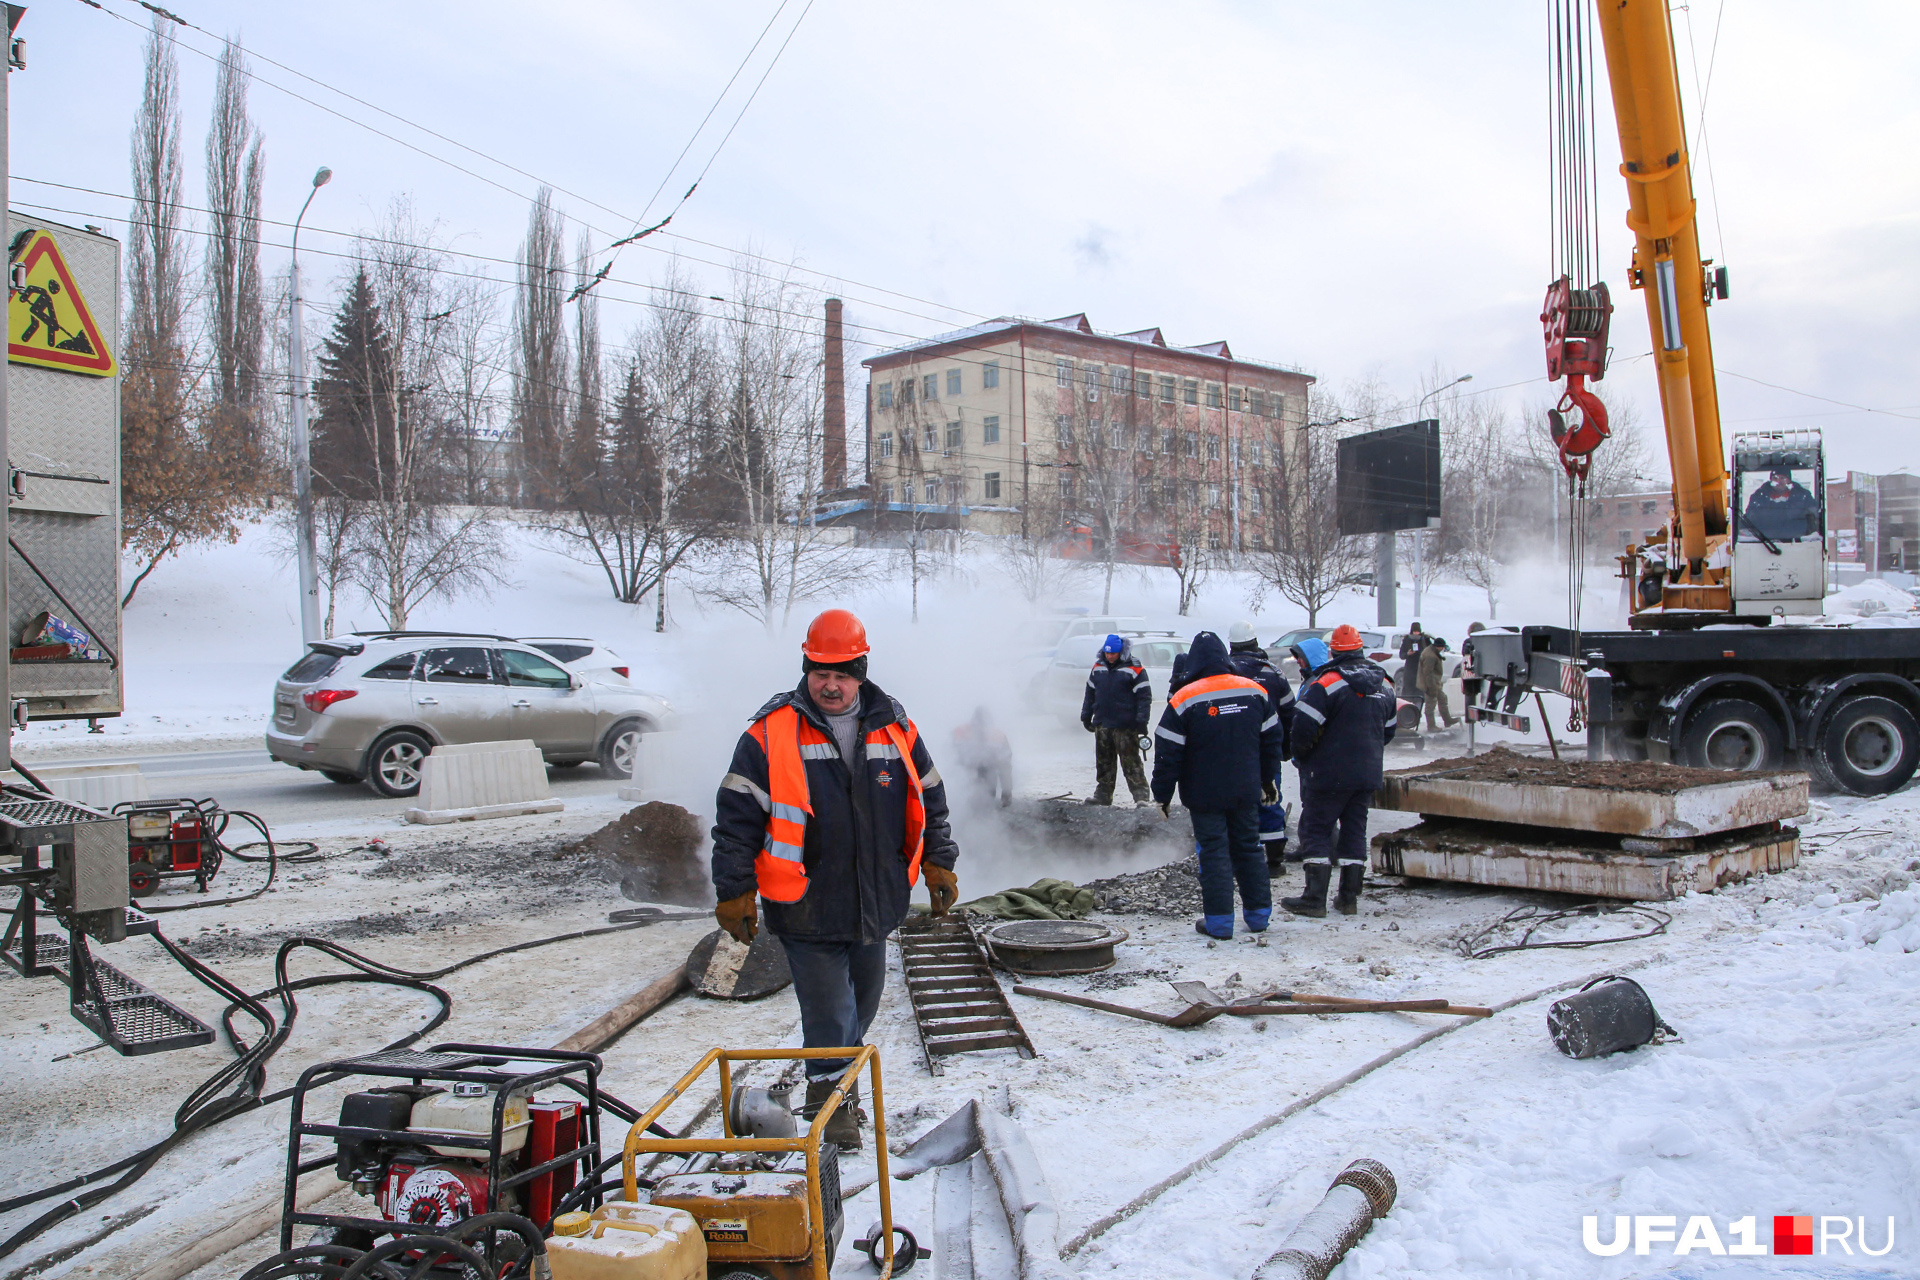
{"x": 1063, "y": 428}
{"x": 1193, "y": 493}
{"x": 1166, "y": 390}
{"x": 1213, "y": 395}
{"x": 990, "y": 375}
{"x": 1213, "y": 448}
{"x": 1190, "y": 390}
{"x": 990, "y": 429}
{"x": 906, "y": 392}
{"x": 1121, "y": 381}
{"x": 930, "y": 387}
{"x": 1259, "y": 403}
{"x": 1066, "y": 488}
{"x": 1599, "y": 509}
{"x": 932, "y": 489}
{"x": 932, "y": 437}
{"x": 1167, "y": 438}
{"x": 1168, "y": 493}
{"x": 1626, "y": 537}
{"x": 1143, "y": 385}
{"x": 1213, "y": 540}
{"x": 1648, "y": 508}
{"x": 1254, "y": 502}
{"x": 1626, "y": 508}
{"x": 883, "y": 395}
{"x": 956, "y": 435}
{"x": 1213, "y": 495}
{"x": 1233, "y": 399}
{"x": 953, "y": 382}
{"x": 886, "y": 495}
{"x": 1259, "y": 541}
{"x": 1093, "y": 382}
{"x": 1063, "y": 373}
{"x": 1117, "y": 435}
{"x": 886, "y": 444}
{"x": 906, "y": 440}
{"x": 990, "y": 486}
{"x": 1278, "y": 404}
{"x": 1255, "y": 452}
{"x": 1192, "y": 442}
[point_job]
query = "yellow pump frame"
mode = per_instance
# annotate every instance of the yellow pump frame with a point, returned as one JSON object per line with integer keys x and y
{"x": 640, "y": 1142}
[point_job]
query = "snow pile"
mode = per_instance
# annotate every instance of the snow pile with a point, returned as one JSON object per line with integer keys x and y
{"x": 1873, "y": 602}
{"x": 1893, "y": 924}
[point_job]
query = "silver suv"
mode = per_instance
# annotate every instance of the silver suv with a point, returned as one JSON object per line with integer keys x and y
{"x": 371, "y": 706}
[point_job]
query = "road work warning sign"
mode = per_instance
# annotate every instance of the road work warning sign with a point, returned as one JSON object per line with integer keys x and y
{"x": 48, "y": 322}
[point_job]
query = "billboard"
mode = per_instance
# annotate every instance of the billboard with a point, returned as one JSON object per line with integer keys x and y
{"x": 1390, "y": 480}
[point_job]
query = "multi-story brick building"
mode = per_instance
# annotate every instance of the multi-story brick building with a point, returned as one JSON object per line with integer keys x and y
{"x": 1050, "y": 428}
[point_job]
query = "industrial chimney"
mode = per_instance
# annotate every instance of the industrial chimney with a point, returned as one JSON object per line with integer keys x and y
{"x": 834, "y": 452}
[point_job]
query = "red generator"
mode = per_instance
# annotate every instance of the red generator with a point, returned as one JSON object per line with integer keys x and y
{"x": 169, "y": 840}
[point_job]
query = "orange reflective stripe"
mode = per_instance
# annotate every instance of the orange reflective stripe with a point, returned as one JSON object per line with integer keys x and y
{"x": 780, "y": 868}
{"x": 1213, "y": 684}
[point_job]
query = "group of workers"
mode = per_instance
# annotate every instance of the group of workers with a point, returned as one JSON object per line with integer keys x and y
{"x": 832, "y": 810}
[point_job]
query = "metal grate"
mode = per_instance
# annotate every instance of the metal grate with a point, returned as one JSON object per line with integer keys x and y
{"x": 50, "y": 951}
{"x": 47, "y": 813}
{"x": 409, "y": 1060}
{"x": 134, "y": 1020}
{"x": 958, "y": 1006}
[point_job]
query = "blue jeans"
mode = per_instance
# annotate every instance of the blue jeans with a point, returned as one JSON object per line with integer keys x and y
{"x": 1229, "y": 841}
{"x": 838, "y": 985}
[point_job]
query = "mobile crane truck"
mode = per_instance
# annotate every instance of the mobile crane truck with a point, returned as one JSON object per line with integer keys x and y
{"x": 1726, "y": 663}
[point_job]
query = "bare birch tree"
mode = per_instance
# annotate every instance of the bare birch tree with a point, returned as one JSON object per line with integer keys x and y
{"x": 1309, "y": 561}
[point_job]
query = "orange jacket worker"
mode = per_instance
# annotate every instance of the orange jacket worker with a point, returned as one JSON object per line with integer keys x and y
{"x": 829, "y": 816}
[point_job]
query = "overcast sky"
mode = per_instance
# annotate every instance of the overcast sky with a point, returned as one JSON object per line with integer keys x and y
{"x": 1355, "y": 189}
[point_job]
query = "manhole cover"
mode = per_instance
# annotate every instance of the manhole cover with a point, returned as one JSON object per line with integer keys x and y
{"x": 1054, "y": 946}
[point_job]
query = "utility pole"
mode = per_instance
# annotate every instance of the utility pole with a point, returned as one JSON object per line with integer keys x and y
{"x": 302, "y": 443}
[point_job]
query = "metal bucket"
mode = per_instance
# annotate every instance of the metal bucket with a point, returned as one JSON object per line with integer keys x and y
{"x": 1601, "y": 1019}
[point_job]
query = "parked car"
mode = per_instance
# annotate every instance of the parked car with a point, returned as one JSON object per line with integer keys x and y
{"x": 370, "y": 708}
{"x": 589, "y": 658}
{"x": 1065, "y": 680}
{"x": 1280, "y": 652}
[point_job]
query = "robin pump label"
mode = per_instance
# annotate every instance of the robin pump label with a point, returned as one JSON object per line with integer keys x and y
{"x": 726, "y": 1230}
{"x": 48, "y": 321}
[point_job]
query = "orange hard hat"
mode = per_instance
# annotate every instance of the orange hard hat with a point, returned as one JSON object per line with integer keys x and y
{"x": 835, "y": 636}
{"x": 1345, "y": 639}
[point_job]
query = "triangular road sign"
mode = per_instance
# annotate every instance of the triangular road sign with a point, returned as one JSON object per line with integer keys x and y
{"x": 48, "y": 322}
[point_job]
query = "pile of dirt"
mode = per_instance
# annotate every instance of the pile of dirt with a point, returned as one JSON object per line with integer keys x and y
{"x": 1172, "y": 890}
{"x": 1504, "y": 765}
{"x": 658, "y": 850}
{"x": 1067, "y": 823}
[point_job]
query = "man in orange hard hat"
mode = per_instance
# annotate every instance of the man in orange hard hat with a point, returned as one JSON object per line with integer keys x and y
{"x": 830, "y": 813}
{"x": 1342, "y": 722}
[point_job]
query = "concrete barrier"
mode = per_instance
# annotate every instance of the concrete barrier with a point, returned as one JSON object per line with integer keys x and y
{"x": 100, "y": 786}
{"x": 470, "y": 780}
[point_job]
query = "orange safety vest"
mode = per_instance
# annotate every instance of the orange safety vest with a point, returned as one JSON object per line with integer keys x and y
{"x": 780, "y": 867}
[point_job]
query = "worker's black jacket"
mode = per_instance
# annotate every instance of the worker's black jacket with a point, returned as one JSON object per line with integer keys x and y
{"x": 1783, "y": 517}
{"x": 1118, "y": 696}
{"x": 1219, "y": 740}
{"x": 856, "y": 874}
{"x": 1251, "y": 661}
{"x": 1342, "y": 723}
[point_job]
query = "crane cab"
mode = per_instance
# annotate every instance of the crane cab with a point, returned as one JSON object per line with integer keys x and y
{"x": 1779, "y": 524}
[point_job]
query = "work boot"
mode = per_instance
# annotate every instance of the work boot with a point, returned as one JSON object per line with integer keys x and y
{"x": 1347, "y": 901}
{"x": 1276, "y": 858}
{"x": 1219, "y": 927}
{"x": 843, "y": 1126}
{"x": 1257, "y": 918}
{"x": 1312, "y": 901}
{"x": 1097, "y": 800}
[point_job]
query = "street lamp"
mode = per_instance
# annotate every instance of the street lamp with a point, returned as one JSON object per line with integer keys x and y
{"x": 1420, "y": 535}
{"x": 302, "y": 443}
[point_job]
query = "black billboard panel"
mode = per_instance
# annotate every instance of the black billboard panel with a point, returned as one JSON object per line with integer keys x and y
{"x": 1390, "y": 480}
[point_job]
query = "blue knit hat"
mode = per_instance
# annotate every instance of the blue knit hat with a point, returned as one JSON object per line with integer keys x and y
{"x": 1114, "y": 644}
{"x": 1316, "y": 653}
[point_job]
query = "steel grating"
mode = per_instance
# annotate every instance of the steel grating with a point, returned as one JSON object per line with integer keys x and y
{"x": 48, "y": 813}
{"x": 958, "y": 1006}
{"x": 134, "y": 1020}
{"x": 410, "y": 1060}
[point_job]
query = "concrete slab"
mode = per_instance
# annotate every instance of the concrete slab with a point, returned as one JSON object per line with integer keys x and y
{"x": 1467, "y": 853}
{"x": 1732, "y": 805}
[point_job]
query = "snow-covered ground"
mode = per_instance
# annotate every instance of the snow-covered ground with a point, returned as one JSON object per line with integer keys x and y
{"x": 1792, "y": 1090}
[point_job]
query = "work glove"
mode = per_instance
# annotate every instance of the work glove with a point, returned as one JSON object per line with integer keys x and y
{"x": 943, "y": 887}
{"x": 740, "y": 916}
{"x": 1087, "y": 725}
{"x": 1269, "y": 794}
{"x": 1166, "y": 808}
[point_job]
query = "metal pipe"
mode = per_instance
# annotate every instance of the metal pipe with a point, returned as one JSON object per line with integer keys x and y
{"x": 1365, "y": 1190}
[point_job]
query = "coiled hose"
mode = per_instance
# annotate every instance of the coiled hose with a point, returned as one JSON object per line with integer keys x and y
{"x": 390, "y": 1261}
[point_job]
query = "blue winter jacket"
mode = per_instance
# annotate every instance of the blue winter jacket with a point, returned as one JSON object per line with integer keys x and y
{"x": 1342, "y": 722}
{"x": 1251, "y": 661}
{"x": 1118, "y": 696}
{"x": 1219, "y": 739}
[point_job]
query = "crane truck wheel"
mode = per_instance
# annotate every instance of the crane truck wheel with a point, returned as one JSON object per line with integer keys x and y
{"x": 1869, "y": 746}
{"x": 1732, "y": 733}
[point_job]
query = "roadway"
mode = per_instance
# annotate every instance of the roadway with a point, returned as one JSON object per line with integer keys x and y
{"x": 252, "y": 780}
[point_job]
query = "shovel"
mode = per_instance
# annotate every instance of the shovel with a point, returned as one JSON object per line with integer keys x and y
{"x": 1301, "y": 1002}
{"x": 1191, "y": 1016}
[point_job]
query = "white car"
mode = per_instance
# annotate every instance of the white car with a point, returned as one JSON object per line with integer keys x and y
{"x": 1065, "y": 680}
{"x": 587, "y": 658}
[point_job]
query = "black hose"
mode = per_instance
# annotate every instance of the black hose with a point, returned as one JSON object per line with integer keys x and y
{"x": 244, "y": 1078}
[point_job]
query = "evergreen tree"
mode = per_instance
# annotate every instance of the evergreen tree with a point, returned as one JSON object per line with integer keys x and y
{"x": 354, "y": 395}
